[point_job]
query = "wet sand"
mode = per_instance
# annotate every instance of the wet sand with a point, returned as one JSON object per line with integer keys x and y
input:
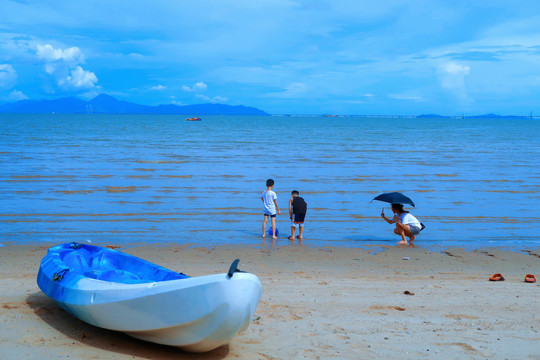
{"x": 317, "y": 303}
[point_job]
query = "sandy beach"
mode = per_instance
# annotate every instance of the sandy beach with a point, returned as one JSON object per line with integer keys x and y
{"x": 317, "y": 303}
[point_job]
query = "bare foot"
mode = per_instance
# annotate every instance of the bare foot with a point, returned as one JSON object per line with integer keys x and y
{"x": 412, "y": 238}
{"x": 274, "y": 237}
{"x": 291, "y": 238}
{"x": 299, "y": 237}
{"x": 403, "y": 242}
{"x": 264, "y": 235}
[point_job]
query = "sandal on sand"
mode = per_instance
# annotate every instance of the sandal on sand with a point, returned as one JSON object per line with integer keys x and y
{"x": 530, "y": 278}
{"x": 496, "y": 277}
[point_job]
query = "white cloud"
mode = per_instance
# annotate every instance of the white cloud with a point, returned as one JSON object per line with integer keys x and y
{"x": 200, "y": 86}
{"x": 218, "y": 99}
{"x": 136, "y": 56}
{"x": 8, "y": 76}
{"x": 215, "y": 100}
{"x": 174, "y": 101}
{"x": 17, "y": 95}
{"x": 452, "y": 77}
{"x": 79, "y": 79}
{"x": 455, "y": 69}
{"x": 49, "y": 54}
{"x": 64, "y": 66}
{"x": 158, "y": 87}
{"x": 50, "y": 68}
{"x": 404, "y": 97}
{"x": 292, "y": 90}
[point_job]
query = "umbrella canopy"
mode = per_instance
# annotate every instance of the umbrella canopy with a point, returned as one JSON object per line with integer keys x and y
{"x": 394, "y": 198}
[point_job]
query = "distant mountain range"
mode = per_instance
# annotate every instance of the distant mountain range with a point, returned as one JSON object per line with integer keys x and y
{"x": 106, "y": 104}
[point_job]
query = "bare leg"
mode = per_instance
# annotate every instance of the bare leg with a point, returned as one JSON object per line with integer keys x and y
{"x": 274, "y": 228}
{"x": 264, "y": 225}
{"x": 301, "y": 233}
{"x": 408, "y": 233}
{"x": 404, "y": 231}
{"x": 399, "y": 231}
{"x": 293, "y": 229}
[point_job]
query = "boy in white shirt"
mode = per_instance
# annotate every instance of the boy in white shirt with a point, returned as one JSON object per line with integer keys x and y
{"x": 270, "y": 206}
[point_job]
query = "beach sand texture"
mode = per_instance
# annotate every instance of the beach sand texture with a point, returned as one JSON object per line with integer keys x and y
{"x": 317, "y": 303}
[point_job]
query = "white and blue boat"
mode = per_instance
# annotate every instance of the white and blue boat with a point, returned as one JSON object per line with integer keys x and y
{"x": 118, "y": 291}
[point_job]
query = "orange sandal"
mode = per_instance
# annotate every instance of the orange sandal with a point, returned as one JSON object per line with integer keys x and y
{"x": 496, "y": 277}
{"x": 530, "y": 278}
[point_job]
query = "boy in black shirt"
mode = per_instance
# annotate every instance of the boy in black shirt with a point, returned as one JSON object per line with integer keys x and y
{"x": 297, "y": 213}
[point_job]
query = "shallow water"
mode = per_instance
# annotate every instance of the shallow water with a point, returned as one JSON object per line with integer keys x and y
{"x": 160, "y": 179}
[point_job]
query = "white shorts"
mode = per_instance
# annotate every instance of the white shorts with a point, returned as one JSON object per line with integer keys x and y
{"x": 296, "y": 225}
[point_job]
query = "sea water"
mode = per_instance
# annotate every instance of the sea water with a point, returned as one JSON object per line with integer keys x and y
{"x": 161, "y": 179}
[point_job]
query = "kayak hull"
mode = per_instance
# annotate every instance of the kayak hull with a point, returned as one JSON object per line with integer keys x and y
{"x": 194, "y": 313}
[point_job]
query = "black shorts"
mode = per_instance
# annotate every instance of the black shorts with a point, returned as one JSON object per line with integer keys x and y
{"x": 298, "y": 218}
{"x": 272, "y": 216}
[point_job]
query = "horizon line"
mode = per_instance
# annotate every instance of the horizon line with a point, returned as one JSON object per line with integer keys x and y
{"x": 379, "y": 116}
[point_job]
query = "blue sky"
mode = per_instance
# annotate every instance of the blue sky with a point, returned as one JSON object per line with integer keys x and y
{"x": 282, "y": 56}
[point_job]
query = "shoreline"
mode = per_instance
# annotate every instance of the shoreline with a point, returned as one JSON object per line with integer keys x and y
{"x": 530, "y": 248}
{"x": 317, "y": 302}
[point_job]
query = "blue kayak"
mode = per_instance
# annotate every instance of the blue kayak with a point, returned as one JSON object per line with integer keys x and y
{"x": 118, "y": 291}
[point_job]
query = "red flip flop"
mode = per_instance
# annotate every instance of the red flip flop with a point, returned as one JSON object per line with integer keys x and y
{"x": 496, "y": 277}
{"x": 530, "y": 278}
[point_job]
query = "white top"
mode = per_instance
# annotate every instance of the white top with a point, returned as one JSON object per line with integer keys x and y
{"x": 407, "y": 219}
{"x": 268, "y": 199}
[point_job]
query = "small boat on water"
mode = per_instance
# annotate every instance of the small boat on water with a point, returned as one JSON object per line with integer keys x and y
{"x": 118, "y": 291}
{"x": 194, "y": 119}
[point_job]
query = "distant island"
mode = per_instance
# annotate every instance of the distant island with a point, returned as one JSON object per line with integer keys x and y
{"x": 486, "y": 116}
{"x": 106, "y": 104}
{"x": 422, "y": 116}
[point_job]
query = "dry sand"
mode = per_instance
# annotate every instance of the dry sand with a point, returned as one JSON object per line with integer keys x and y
{"x": 317, "y": 303}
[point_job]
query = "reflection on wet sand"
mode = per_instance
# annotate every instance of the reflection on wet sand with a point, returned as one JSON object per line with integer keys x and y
{"x": 161, "y": 162}
{"x": 177, "y": 176}
{"x": 513, "y": 191}
{"x": 120, "y": 189}
{"x": 42, "y": 176}
{"x": 68, "y": 192}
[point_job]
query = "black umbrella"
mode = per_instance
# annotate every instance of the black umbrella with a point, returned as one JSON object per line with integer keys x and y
{"x": 394, "y": 198}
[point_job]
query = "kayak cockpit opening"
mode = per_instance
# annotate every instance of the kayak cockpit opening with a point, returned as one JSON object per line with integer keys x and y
{"x": 101, "y": 264}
